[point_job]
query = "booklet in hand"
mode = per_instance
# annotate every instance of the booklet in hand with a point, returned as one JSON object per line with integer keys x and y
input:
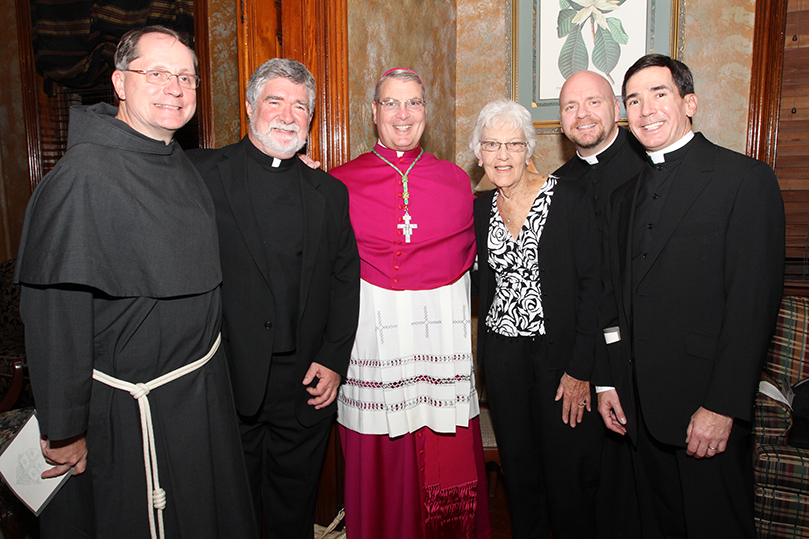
{"x": 22, "y": 464}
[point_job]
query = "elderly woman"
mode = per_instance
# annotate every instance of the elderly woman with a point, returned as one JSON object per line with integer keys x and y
{"x": 539, "y": 254}
{"x": 408, "y": 409}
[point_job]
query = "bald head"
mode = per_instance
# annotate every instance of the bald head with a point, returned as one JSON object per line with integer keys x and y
{"x": 588, "y": 82}
{"x": 588, "y": 112}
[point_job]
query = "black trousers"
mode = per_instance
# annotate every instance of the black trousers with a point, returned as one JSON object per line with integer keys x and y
{"x": 618, "y": 512}
{"x": 284, "y": 458}
{"x": 550, "y": 470}
{"x": 681, "y": 496}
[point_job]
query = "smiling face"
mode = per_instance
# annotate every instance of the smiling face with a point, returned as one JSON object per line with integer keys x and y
{"x": 504, "y": 169}
{"x": 588, "y": 112}
{"x": 658, "y": 116}
{"x": 402, "y": 128}
{"x": 279, "y": 124}
{"x": 156, "y": 110}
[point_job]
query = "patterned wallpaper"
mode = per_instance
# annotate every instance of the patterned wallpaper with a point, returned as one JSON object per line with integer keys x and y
{"x": 223, "y": 43}
{"x": 719, "y": 51}
{"x": 480, "y": 72}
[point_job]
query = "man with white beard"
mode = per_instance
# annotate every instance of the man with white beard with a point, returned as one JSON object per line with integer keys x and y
{"x": 290, "y": 293}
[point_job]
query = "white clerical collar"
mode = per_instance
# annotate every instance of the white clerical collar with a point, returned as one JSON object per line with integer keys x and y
{"x": 660, "y": 155}
{"x": 398, "y": 153}
{"x": 593, "y": 159}
{"x": 276, "y": 162}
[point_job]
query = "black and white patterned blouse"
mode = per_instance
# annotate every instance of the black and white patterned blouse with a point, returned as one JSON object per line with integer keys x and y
{"x": 517, "y": 307}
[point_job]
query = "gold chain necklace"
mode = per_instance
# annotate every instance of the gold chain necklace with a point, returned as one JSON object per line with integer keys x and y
{"x": 407, "y": 227}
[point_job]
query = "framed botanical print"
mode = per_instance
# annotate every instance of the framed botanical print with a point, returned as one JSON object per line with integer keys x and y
{"x": 552, "y": 39}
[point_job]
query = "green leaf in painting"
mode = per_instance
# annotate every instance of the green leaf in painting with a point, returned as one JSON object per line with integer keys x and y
{"x": 606, "y": 51}
{"x": 617, "y": 31}
{"x": 563, "y": 24}
{"x": 573, "y": 56}
{"x": 563, "y": 4}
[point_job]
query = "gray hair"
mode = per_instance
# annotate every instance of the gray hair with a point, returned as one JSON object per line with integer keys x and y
{"x": 292, "y": 70}
{"x": 127, "y": 49}
{"x": 402, "y": 74}
{"x": 508, "y": 114}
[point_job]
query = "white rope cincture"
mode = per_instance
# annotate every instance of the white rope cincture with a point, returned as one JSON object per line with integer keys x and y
{"x": 156, "y": 496}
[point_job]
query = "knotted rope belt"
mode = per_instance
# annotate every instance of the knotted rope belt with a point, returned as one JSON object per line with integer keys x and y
{"x": 156, "y": 496}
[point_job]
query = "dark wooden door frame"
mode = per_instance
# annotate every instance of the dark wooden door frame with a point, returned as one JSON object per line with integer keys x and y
{"x": 30, "y": 99}
{"x": 765, "y": 79}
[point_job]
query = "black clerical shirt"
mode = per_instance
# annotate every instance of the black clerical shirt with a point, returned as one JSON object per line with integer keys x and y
{"x": 275, "y": 193}
{"x": 616, "y": 164}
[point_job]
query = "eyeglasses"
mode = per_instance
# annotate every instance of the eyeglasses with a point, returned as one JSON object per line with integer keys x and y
{"x": 494, "y": 146}
{"x": 154, "y": 76}
{"x": 413, "y": 105}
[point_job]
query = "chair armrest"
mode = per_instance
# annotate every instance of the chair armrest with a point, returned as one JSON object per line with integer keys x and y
{"x": 773, "y": 419}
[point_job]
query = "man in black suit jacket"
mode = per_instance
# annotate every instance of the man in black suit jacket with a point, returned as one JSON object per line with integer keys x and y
{"x": 290, "y": 293}
{"x": 695, "y": 272}
{"x": 606, "y": 157}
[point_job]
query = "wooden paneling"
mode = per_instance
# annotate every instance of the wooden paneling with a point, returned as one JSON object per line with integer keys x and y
{"x": 29, "y": 89}
{"x": 778, "y": 129}
{"x": 20, "y": 164}
{"x": 792, "y": 146}
{"x": 333, "y": 123}
{"x": 765, "y": 80}
{"x": 258, "y": 31}
{"x": 796, "y": 204}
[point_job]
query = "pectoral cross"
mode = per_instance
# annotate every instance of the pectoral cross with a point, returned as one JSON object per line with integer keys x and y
{"x": 406, "y": 227}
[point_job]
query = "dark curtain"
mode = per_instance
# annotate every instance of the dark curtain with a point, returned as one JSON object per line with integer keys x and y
{"x": 74, "y": 40}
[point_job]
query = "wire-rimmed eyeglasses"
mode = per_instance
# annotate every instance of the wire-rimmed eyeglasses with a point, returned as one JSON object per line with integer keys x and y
{"x": 156, "y": 76}
{"x": 494, "y": 146}
{"x": 413, "y": 105}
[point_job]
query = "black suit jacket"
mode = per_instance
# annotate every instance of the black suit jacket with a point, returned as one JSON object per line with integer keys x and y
{"x": 329, "y": 286}
{"x": 698, "y": 326}
{"x": 569, "y": 276}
